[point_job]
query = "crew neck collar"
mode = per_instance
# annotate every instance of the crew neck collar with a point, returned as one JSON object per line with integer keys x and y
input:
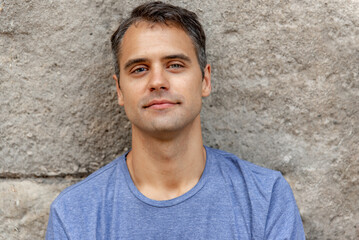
{"x": 170, "y": 202}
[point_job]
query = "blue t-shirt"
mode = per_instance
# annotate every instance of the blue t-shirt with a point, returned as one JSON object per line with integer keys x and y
{"x": 233, "y": 199}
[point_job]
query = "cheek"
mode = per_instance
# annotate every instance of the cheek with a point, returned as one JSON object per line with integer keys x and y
{"x": 130, "y": 100}
{"x": 127, "y": 100}
{"x": 196, "y": 88}
{"x": 193, "y": 94}
{"x": 191, "y": 82}
{"x": 130, "y": 108}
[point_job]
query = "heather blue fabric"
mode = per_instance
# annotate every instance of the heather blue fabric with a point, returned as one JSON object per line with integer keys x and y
{"x": 234, "y": 199}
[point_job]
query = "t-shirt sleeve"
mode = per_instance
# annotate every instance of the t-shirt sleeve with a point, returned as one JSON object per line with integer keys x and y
{"x": 55, "y": 230}
{"x": 283, "y": 219}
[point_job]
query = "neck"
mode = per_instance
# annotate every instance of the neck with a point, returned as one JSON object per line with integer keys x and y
{"x": 165, "y": 168}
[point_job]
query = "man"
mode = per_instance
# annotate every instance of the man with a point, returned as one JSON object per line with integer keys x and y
{"x": 169, "y": 186}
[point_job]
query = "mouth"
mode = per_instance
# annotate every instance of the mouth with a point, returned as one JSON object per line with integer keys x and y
{"x": 160, "y": 104}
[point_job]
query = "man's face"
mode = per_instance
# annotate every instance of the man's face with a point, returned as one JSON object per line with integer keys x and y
{"x": 161, "y": 84}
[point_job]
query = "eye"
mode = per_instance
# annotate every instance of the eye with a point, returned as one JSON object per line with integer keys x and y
{"x": 138, "y": 70}
{"x": 176, "y": 65}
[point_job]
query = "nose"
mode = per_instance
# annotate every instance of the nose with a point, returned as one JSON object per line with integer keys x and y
{"x": 158, "y": 79}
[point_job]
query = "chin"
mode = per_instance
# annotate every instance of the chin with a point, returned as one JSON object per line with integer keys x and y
{"x": 168, "y": 128}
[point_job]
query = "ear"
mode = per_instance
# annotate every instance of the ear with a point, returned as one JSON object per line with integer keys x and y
{"x": 206, "y": 82}
{"x": 119, "y": 92}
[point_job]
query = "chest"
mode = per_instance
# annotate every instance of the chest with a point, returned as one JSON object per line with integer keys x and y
{"x": 208, "y": 215}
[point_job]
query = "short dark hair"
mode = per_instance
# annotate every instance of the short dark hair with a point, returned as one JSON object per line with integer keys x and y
{"x": 159, "y": 12}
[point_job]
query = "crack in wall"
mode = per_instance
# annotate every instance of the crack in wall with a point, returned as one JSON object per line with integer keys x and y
{"x": 8, "y": 175}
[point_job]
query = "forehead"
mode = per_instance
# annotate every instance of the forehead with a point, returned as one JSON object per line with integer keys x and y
{"x": 144, "y": 39}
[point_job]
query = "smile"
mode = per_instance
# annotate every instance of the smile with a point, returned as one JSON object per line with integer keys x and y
{"x": 160, "y": 104}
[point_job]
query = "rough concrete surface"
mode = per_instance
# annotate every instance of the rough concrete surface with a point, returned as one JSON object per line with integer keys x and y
{"x": 24, "y": 206}
{"x": 285, "y": 96}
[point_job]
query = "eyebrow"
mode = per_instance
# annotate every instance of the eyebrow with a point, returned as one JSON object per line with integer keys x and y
{"x": 178, "y": 56}
{"x": 134, "y": 61}
{"x": 131, "y": 62}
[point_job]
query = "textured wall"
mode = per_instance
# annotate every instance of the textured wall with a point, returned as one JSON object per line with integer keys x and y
{"x": 285, "y": 96}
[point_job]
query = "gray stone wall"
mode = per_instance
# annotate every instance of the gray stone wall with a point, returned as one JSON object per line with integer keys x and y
{"x": 285, "y": 96}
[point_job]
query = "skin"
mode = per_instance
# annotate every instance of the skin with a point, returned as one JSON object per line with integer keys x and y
{"x": 161, "y": 89}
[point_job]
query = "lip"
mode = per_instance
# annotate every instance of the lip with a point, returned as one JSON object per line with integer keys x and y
{"x": 160, "y": 104}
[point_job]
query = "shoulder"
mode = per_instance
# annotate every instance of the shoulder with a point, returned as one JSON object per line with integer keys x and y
{"x": 268, "y": 198}
{"x": 90, "y": 188}
{"x": 75, "y": 211}
{"x": 233, "y": 166}
{"x": 244, "y": 178}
